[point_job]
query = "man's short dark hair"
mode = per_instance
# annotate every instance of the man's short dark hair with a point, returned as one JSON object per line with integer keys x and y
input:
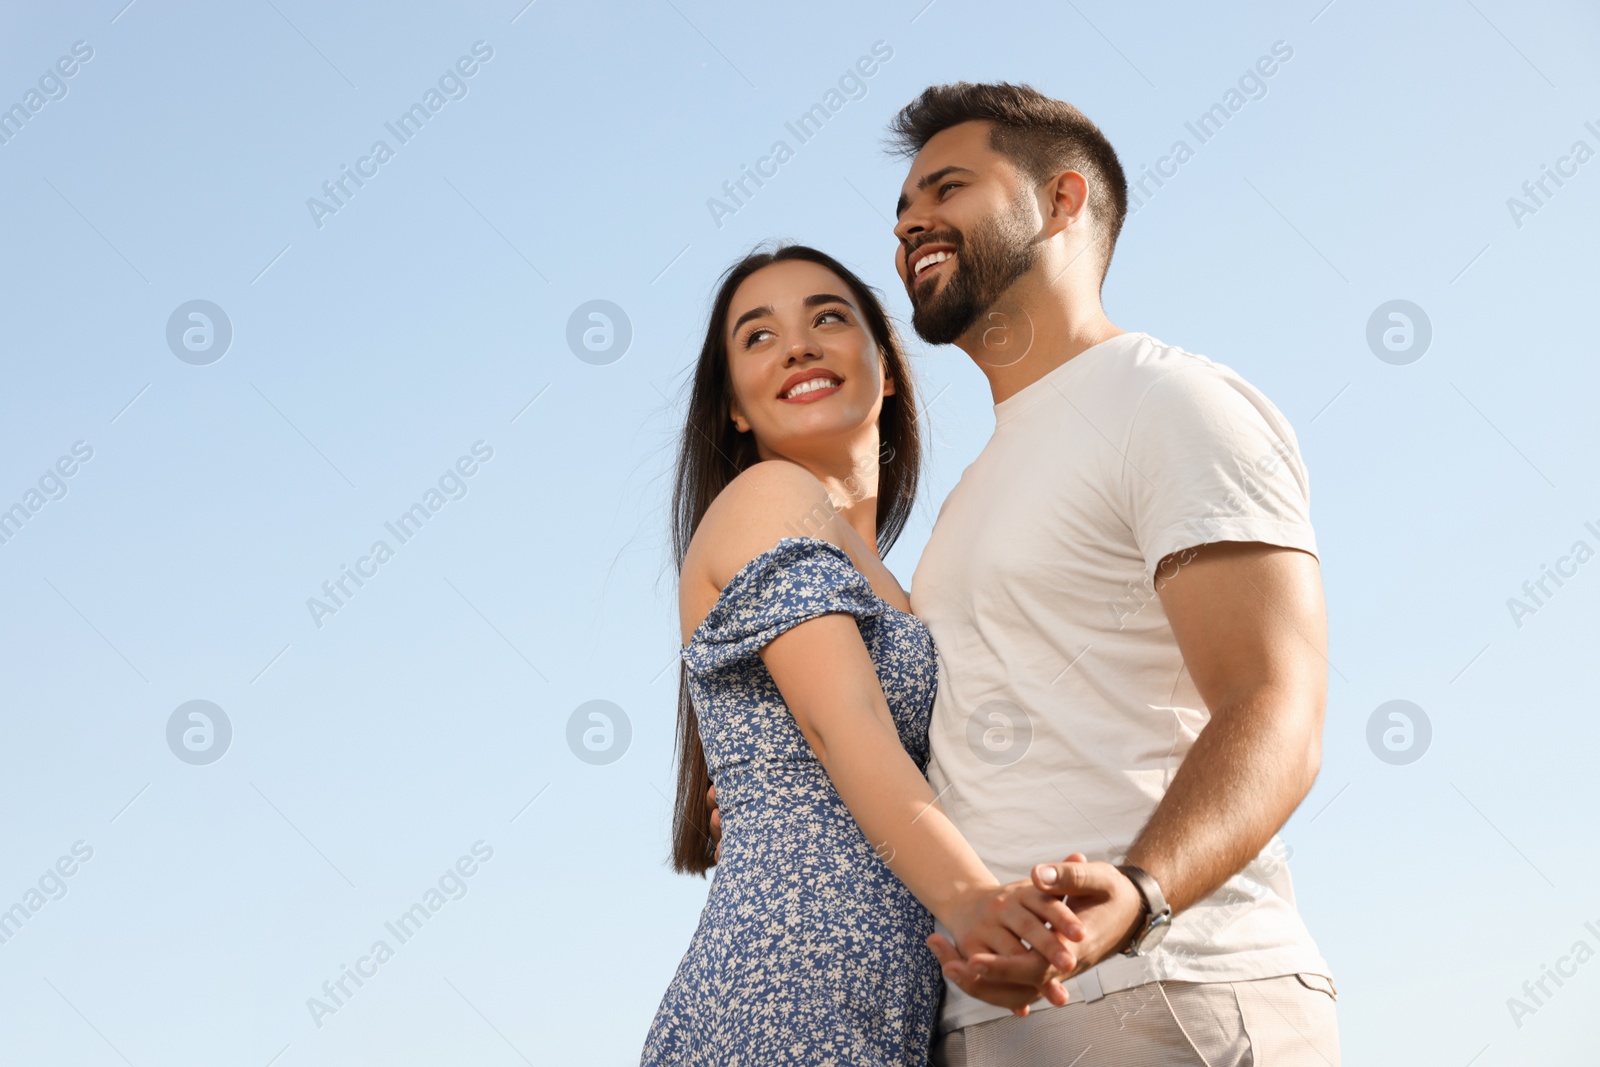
{"x": 1040, "y": 135}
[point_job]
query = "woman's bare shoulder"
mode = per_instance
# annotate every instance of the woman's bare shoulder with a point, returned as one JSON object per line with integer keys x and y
{"x": 767, "y": 502}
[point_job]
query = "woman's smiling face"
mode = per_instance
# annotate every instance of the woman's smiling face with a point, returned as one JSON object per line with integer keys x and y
{"x": 802, "y": 362}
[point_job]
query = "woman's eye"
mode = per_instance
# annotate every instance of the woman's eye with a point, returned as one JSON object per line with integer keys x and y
{"x": 754, "y": 335}
{"x": 836, "y": 314}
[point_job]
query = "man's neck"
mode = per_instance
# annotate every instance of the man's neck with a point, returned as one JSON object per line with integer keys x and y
{"x": 1031, "y": 331}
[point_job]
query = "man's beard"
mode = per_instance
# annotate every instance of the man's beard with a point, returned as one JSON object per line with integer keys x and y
{"x": 999, "y": 250}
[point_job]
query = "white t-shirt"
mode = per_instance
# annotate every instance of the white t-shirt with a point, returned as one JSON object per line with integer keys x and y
{"x": 1064, "y": 708}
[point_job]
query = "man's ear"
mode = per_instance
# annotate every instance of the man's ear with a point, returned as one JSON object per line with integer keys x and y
{"x": 1068, "y": 193}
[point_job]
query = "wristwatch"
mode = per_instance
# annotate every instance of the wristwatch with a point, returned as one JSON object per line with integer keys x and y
{"x": 1157, "y": 919}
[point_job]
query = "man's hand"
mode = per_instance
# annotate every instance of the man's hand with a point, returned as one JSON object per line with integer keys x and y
{"x": 1103, "y": 899}
{"x": 716, "y": 826}
{"x": 1105, "y": 903}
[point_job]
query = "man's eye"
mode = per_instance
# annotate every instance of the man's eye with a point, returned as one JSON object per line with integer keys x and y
{"x": 948, "y": 185}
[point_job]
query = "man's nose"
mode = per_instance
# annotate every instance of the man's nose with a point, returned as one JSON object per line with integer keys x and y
{"x": 907, "y": 229}
{"x": 909, "y": 225}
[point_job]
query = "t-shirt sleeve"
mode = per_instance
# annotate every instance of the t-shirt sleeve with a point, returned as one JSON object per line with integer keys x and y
{"x": 1209, "y": 458}
{"x": 797, "y": 579}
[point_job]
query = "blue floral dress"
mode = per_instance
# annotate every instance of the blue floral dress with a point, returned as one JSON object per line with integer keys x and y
{"x": 809, "y": 951}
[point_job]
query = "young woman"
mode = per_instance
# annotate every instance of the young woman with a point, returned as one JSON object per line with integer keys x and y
{"x": 804, "y": 697}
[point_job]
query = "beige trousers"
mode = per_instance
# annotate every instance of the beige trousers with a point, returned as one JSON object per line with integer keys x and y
{"x": 1287, "y": 1021}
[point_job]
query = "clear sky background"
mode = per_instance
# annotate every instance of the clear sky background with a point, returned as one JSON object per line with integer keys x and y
{"x": 373, "y": 347}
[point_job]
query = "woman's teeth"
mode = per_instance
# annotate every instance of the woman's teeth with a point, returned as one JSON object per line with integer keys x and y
{"x": 810, "y": 385}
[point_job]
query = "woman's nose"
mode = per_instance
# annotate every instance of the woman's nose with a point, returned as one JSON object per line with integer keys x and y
{"x": 804, "y": 347}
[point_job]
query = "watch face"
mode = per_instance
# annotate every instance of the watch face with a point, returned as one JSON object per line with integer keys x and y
{"x": 1154, "y": 935}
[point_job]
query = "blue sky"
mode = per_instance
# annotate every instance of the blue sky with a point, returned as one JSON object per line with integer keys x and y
{"x": 380, "y": 351}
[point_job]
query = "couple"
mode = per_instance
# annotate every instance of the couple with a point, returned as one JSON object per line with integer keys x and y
{"x": 1113, "y": 652}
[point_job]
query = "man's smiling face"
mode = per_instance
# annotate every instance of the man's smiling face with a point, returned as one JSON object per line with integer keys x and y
{"x": 967, "y": 225}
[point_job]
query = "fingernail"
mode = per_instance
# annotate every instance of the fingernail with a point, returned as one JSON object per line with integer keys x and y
{"x": 1046, "y": 874}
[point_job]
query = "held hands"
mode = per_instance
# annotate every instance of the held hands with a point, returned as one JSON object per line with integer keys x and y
{"x": 1008, "y": 923}
{"x": 1104, "y": 909}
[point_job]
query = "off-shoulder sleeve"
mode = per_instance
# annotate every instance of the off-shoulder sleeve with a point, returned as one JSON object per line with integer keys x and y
{"x": 797, "y": 579}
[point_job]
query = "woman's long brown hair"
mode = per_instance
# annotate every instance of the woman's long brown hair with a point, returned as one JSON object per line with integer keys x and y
{"x": 712, "y": 453}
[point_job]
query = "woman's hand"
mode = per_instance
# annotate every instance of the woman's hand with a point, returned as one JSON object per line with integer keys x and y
{"x": 1010, "y": 920}
{"x": 1013, "y": 995}
{"x": 716, "y": 826}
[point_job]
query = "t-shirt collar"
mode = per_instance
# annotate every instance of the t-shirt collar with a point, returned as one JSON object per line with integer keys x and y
{"x": 1029, "y": 394}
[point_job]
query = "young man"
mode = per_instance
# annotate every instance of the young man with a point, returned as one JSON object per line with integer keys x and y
{"x": 1124, "y": 592}
{"x": 1125, "y": 596}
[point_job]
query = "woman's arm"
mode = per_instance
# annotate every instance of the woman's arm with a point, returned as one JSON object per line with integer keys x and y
{"x": 827, "y": 678}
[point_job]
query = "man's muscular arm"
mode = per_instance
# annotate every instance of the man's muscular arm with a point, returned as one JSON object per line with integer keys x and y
{"x": 1250, "y": 622}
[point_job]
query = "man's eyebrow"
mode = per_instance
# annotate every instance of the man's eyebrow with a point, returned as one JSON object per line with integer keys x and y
{"x": 811, "y": 301}
{"x": 927, "y": 180}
